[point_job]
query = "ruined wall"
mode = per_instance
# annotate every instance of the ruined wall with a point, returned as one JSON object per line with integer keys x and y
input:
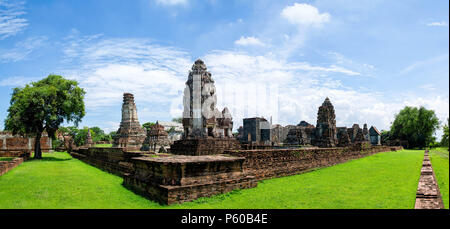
{"x": 6, "y": 166}
{"x": 113, "y": 160}
{"x": 178, "y": 179}
{"x": 264, "y": 164}
{"x": 10, "y": 142}
{"x": 205, "y": 146}
{"x": 428, "y": 195}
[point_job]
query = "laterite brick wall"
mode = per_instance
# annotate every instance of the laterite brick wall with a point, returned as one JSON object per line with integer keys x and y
{"x": 5, "y": 166}
{"x": 264, "y": 164}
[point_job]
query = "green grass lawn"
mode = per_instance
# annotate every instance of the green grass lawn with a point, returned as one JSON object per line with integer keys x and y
{"x": 384, "y": 180}
{"x": 103, "y": 145}
{"x": 439, "y": 161}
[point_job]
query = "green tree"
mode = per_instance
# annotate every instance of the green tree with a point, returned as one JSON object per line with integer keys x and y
{"x": 97, "y": 134}
{"x": 416, "y": 125}
{"x": 112, "y": 134}
{"x": 147, "y": 125}
{"x": 445, "y": 140}
{"x": 385, "y": 137}
{"x": 81, "y": 134}
{"x": 43, "y": 106}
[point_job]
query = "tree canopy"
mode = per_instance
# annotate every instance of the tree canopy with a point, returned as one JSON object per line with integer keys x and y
{"x": 148, "y": 125}
{"x": 43, "y": 106}
{"x": 416, "y": 125}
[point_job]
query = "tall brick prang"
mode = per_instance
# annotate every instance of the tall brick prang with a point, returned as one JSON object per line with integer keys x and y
{"x": 130, "y": 135}
{"x": 326, "y": 134}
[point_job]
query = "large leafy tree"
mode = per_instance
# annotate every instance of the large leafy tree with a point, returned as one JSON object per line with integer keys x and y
{"x": 43, "y": 106}
{"x": 416, "y": 125}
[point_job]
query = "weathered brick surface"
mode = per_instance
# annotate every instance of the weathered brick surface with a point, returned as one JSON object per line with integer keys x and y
{"x": 6, "y": 166}
{"x": 11, "y": 142}
{"x": 428, "y": 195}
{"x": 270, "y": 163}
{"x": 113, "y": 160}
{"x": 25, "y": 154}
{"x": 130, "y": 135}
{"x": 17, "y": 143}
{"x": 203, "y": 146}
{"x": 178, "y": 179}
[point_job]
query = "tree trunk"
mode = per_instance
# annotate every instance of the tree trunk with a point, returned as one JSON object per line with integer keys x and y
{"x": 37, "y": 147}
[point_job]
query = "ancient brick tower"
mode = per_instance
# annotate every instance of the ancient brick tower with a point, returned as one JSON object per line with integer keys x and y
{"x": 207, "y": 131}
{"x": 326, "y": 134}
{"x": 201, "y": 118}
{"x": 130, "y": 135}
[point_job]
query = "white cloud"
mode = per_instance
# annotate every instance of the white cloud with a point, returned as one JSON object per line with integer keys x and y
{"x": 442, "y": 23}
{"x": 21, "y": 49}
{"x": 17, "y": 81}
{"x": 172, "y": 2}
{"x": 429, "y": 87}
{"x": 248, "y": 84}
{"x": 11, "y": 21}
{"x": 156, "y": 75}
{"x": 423, "y": 63}
{"x": 304, "y": 15}
{"x": 107, "y": 68}
{"x": 248, "y": 41}
{"x": 362, "y": 69}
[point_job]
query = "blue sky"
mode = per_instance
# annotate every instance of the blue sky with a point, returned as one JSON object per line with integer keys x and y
{"x": 268, "y": 58}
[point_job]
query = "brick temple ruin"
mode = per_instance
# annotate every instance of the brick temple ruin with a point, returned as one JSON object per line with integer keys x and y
{"x": 157, "y": 139}
{"x": 206, "y": 129}
{"x": 208, "y": 160}
{"x": 16, "y": 145}
{"x": 325, "y": 134}
{"x": 131, "y": 135}
{"x": 196, "y": 168}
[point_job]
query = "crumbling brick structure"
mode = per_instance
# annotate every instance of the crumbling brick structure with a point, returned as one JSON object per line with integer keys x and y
{"x": 6, "y": 166}
{"x": 269, "y": 163}
{"x": 130, "y": 135}
{"x": 180, "y": 178}
{"x": 205, "y": 127}
{"x": 114, "y": 160}
{"x": 326, "y": 133}
{"x": 343, "y": 138}
{"x": 301, "y": 135}
{"x": 201, "y": 118}
{"x": 88, "y": 142}
{"x": 17, "y": 143}
{"x": 157, "y": 137}
{"x": 428, "y": 195}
